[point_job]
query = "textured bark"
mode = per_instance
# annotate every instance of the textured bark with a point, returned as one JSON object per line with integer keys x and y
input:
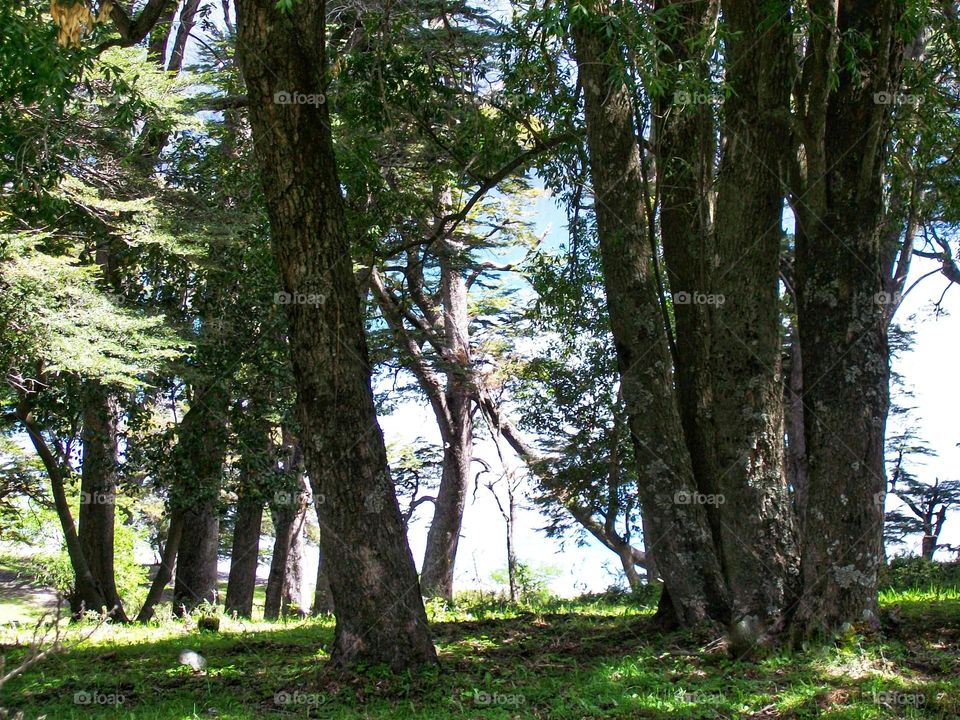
{"x": 201, "y": 452}
{"x": 98, "y": 490}
{"x": 758, "y": 533}
{"x": 245, "y": 553}
{"x": 796, "y": 443}
{"x": 380, "y": 613}
{"x": 839, "y": 270}
{"x": 456, "y": 430}
{"x": 680, "y": 530}
{"x": 683, "y": 133}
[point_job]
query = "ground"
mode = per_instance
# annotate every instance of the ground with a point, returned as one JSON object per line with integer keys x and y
{"x": 595, "y": 658}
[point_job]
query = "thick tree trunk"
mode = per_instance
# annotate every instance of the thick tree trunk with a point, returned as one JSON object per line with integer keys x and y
{"x": 680, "y": 529}
{"x": 843, "y": 330}
{"x": 758, "y": 531}
{"x": 98, "y": 489}
{"x": 245, "y": 553}
{"x": 380, "y": 613}
{"x": 201, "y": 452}
{"x": 456, "y": 431}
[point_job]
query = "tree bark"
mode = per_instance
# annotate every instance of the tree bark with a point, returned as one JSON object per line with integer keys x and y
{"x": 245, "y": 553}
{"x": 683, "y": 136}
{"x": 758, "y": 532}
{"x": 680, "y": 530}
{"x": 843, "y": 329}
{"x": 380, "y": 613}
{"x": 285, "y": 582}
{"x": 98, "y": 490}
{"x": 201, "y": 452}
{"x": 456, "y": 430}
{"x": 322, "y": 599}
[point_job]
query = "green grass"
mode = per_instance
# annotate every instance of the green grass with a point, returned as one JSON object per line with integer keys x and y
{"x": 596, "y": 658}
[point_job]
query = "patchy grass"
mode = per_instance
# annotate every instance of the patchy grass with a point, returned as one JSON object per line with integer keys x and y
{"x": 594, "y": 658}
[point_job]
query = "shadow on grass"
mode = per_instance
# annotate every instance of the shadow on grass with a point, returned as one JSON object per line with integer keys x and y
{"x": 567, "y": 666}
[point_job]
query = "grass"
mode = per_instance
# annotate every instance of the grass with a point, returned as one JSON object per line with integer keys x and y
{"x": 592, "y": 658}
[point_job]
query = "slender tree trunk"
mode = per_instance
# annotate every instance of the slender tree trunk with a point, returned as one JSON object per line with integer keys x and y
{"x": 683, "y": 135}
{"x": 165, "y": 571}
{"x": 758, "y": 531}
{"x": 680, "y": 530}
{"x": 245, "y": 553}
{"x": 796, "y": 443}
{"x": 201, "y": 453}
{"x": 85, "y": 586}
{"x": 98, "y": 489}
{"x": 322, "y": 599}
{"x": 293, "y": 597}
{"x": 457, "y": 432}
{"x": 380, "y": 613}
{"x": 285, "y": 582}
{"x": 843, "y": 328}
{"x": 188, "y": 16}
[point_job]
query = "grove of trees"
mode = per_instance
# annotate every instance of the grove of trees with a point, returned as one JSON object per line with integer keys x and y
{"x": 232, "y": 234}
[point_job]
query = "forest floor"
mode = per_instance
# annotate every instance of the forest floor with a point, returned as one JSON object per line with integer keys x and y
{"x": 576, "y": 660}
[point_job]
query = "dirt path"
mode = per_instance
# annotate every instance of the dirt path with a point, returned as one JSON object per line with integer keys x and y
{"x": 22, "y": 600}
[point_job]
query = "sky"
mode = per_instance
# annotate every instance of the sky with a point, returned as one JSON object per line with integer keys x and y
{"x": 928, "y": 371}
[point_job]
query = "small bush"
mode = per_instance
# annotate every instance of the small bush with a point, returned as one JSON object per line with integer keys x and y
{"x": 916, "y": 573}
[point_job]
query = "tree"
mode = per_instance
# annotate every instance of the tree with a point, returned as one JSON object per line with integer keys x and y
{"x": 380, "y": 613}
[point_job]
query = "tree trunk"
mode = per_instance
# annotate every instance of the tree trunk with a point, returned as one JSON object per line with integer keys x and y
{"x": 680, "y": 529}
{"x": 758, "y": 532}
{"x": 85, "y": 586}
{"x": 98, "y": 489}
{"x": 380, "y": 613}
{"x": 796, "y": 443}
{"x": 322, "y": 599}
{"x": 201, "y": 452}
{"x": 165, "y": 571}
{"x": 839, "y": 261}
{"x": 683, "y": 136}
{"x": 245, "y": 553}
{"x": 285, "y": 582}
{"x": 456, "y": 431}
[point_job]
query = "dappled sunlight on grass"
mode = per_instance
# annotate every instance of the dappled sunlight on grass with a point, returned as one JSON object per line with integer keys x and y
{"x": 559, "y": 660}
